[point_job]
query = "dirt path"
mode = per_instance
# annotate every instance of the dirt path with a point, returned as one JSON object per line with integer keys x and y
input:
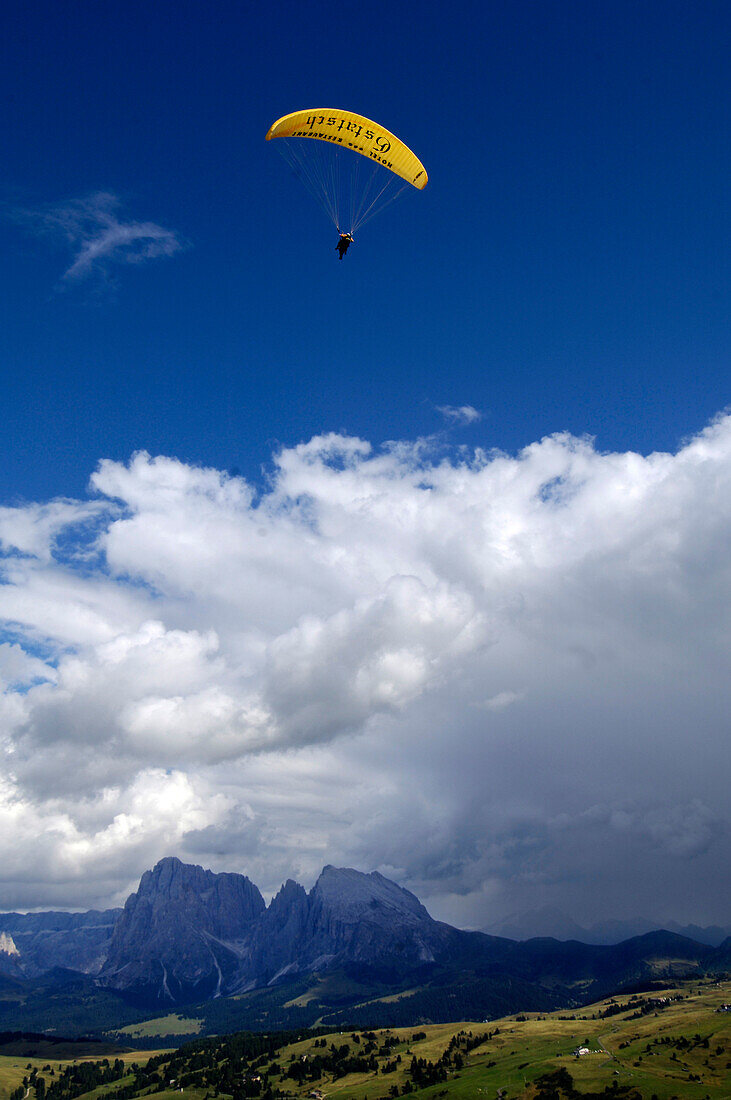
{"x": 614, "y": 1058}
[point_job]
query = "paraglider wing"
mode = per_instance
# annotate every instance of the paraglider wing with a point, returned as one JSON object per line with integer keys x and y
{"x": 349, "y": 131}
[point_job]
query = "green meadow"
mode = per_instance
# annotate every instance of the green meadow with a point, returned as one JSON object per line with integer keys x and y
{"x": 672, "y": 1044}
{"x": 174, "y": 1024}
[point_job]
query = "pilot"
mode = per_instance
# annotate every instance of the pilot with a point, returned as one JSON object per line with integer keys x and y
{"x": 344, "y": 244}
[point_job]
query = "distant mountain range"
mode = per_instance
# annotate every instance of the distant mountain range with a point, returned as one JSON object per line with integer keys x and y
{"x": 356, "y": 945}
{"x": 33, "y": 943}
{"x": 549, "y": 921}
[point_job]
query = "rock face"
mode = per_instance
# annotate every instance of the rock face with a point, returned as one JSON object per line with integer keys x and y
{"x": 188, "y": 934}
{"x": 32, "y": 943}
{"x": 367, "y": 918}
{"x": 348, "y": 917}
{"x": 181, "y": 935}
{"x": 279, "y": 937}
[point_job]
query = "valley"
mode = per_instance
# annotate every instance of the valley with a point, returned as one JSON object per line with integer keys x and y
{"x": 669, "y": 1044}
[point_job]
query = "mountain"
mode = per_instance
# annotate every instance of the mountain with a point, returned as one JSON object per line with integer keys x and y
{"x": 356, "y": 947}
{"x": 189, "y": 934}
{"x": 550, "y": 921}
{"x": 349, "y": 917}
{"x": 712, "y": 934}
{"x": 546, "y": 921}
{"x": 181, "y": 935}
{"x": 32, "y": 943}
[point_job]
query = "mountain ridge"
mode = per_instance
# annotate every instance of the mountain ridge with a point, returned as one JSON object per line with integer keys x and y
{"x": 192, "y": 936}
{"x": 554, "y": 922}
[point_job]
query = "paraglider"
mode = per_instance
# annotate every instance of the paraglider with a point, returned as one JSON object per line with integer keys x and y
{"x": 353, "y": 166}
{"x": 343, "y": 244}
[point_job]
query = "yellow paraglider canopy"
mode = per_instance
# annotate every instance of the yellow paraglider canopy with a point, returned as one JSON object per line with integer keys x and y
{"x": 349, "y": 131}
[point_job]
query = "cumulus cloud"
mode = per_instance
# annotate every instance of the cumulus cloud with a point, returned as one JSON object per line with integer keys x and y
{"x": 100, "y": 238}
{"x": 501, "y": 679}
{"x": 459, "y": 414}
{"x": 105, "y": 837}
{"x": 19, "y": 669}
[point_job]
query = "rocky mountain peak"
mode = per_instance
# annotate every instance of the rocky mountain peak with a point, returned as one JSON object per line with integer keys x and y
{"x": 351, "y": 895}
{"x": 7, "y": 945}
{"x": 288, "y": 892}
{"x": 289, "y": 905}
{"x": 179, "y": 932}
{"x": 170, "y": 877}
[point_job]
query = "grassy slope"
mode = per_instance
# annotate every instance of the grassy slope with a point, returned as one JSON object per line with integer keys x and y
{"x": 527, "y": 1047}
{"x": 545, "y": 1044}
{"x": 14, "y": 1067}
{"x": 175, "y": 1024}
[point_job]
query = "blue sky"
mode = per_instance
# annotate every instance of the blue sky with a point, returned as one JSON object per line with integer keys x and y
{"x": 488, "y": 658}
{"x": 566, "y": 268}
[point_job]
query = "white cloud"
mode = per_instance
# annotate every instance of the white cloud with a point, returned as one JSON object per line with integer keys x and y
{"x": 501, "y": 679}
{"x": 97, "y": 842}
{"x": 100, "y": 238}
{"x": 501, "y": 700}
{"x": 459, "y": 414}
{"x": 18, "y": 669}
